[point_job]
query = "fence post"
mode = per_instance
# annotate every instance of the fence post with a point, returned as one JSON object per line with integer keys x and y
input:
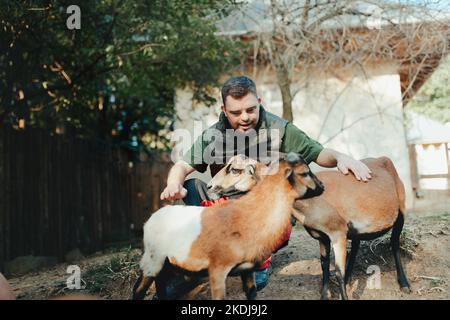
{"x": 413, "y": 166}
{"x": 2, "y": 201}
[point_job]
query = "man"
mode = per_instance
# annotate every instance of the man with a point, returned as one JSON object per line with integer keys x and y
{"x": 241, "y": 113}
{"x": 6, "y": 292}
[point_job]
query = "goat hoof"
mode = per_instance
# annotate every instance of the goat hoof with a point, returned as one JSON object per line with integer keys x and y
{"x": 406, "y": 290}
{"x": 325, "y": 295}
{"x": 252, "y": 294}
{"x": 155, "y": 297}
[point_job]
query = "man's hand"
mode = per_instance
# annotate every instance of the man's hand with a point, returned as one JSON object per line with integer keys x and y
{"x": 175, "y": 180}
{"x": 359, "y": 169}
{"x": 173, "y": 192}
{"x": 331, "y": 158}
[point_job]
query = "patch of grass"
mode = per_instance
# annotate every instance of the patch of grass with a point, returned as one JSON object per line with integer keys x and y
{"x": 58, "y": 288}
{"x": 437, "y": 282}
{"x": 409, "y": 241}
{"x": 121, "y": 248}
{"x": 379, "y": 249}
{"x": 119, "y": 267}
{"x": 97, "y": 277}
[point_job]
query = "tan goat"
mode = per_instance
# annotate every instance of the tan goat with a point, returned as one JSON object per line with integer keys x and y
{"x": 234, "y": 236}
{"x": 348, "y": 209}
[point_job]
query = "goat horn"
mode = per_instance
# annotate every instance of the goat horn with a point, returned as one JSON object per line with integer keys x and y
{"x": 292, "y": 158}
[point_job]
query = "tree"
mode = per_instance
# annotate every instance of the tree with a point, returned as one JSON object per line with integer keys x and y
{"x": 113, "y": 79}
{"x": 299, "y": 36}
{"x": 433, "y": 99}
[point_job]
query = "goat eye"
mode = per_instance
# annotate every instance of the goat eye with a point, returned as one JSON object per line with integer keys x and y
{"x": 235, "y": 171}
{"x": 304, "y": 174}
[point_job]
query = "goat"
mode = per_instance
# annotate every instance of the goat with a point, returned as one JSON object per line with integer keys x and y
{"x": 234, "y": 236}
{"x": 347, "y": 209}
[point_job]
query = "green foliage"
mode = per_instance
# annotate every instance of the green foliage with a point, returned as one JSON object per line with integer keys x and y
{"x": 433, "y": 99}
{"x": 115, "y": 78}
{"x": 120, "y": 266}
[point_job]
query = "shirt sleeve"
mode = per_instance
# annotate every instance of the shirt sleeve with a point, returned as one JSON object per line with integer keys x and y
{"x": 295, "y": 140}
{"x": 194, "y": 156}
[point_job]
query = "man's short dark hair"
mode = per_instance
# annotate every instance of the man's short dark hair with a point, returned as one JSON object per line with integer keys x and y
{"x": 238, "y": 87}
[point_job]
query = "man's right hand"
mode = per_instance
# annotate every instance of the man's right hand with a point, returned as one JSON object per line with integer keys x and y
{"x": 173, "y": 192}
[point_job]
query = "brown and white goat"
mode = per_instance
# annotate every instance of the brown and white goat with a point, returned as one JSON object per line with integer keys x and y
{"x": 234, "y": 236}
{"x": 348, "y": 209}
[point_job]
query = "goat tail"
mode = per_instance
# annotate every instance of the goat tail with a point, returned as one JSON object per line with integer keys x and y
{"x": 399, "y": 186}
{"x": 141, "y": 286}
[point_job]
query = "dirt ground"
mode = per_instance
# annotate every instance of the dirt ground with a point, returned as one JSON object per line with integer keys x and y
{"x": 296, "y": 275}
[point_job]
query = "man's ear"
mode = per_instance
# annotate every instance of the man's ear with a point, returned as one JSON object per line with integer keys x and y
{"x": 222, "y": 108}
{"x": 259, "y": 100}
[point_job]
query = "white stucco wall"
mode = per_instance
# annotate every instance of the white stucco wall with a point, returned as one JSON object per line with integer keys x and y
{"x": 358, "y": 113}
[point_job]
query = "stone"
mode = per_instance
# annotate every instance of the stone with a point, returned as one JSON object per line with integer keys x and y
{"x": 74, "y": 255}
{"x": 25, "y": 264}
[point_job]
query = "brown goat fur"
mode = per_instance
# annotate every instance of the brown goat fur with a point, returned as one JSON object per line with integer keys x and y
{"x": 348, "y": 209}
{"x": 377, "y": 202}
{"x": 234, "y": 235}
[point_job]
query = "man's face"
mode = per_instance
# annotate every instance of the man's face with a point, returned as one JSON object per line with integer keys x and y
{"x": 242, "y": 113}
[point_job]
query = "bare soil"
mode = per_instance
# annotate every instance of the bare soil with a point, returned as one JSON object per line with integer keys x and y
{"x": 296, "y": 274}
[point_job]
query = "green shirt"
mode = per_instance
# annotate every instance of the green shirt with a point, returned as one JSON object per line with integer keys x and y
{"x": 296, "y": 140}
{"x": 289, "y": 139}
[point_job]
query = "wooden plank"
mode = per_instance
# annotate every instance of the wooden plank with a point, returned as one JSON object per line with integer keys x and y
{"x": 46, "y": 192}
{"x": 41, "y": 186}
{"x": 2, "y": 200}
{"x": 413, "y": 168}
{"x": 433, "y": 176}
{"x": 17, "y": 220}
{"x": 447, "y": 150}
{"x": 26, "y": 195}
{"x": 8, "y": 193}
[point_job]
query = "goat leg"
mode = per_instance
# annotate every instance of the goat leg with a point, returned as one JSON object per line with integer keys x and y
{"x": 340, "y": 253}
{"x": 141, "y": 286}
{"x": 351, "y": 260}
{"x": 248, "y": 284}
{"x": 325, "y": 264}
{"x": 217, "y": 279}
{"x": 395, "y": 245}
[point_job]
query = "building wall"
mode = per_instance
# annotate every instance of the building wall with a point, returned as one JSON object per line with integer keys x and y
{"x": 358, "y": 112}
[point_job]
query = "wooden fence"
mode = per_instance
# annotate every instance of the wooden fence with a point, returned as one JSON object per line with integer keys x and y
{"x": 59, "y": 193}
{"x": 416, "y": 176}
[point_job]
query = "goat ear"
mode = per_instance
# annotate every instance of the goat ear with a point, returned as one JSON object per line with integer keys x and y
{"x": 288, "y": 172}
{"x": 250, "y": 169}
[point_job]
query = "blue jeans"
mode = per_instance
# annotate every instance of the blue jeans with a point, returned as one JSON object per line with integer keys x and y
{"x": 196, "y": 192}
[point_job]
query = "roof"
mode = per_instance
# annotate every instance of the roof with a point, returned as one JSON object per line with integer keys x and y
{"x": 406, "y": 45}
{"x": 254, "y": 16}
